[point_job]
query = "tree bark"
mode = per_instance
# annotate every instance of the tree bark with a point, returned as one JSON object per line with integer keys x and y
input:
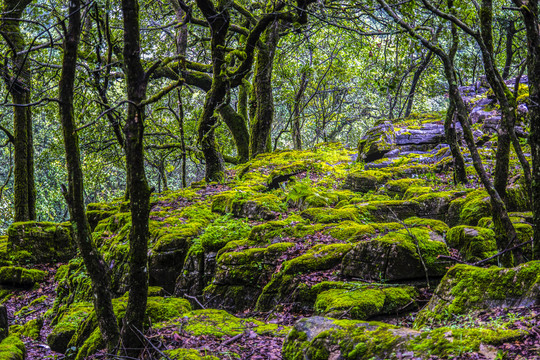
{"x": 296, "y": 126}
{"x": 416, "y": 79}
{"x": 529, "y": 11}
{"x": 95, "y": 265}
{"x": 136, "y": 81}
{"x": 261, "y": 125}
{"x": 18, "y": 83}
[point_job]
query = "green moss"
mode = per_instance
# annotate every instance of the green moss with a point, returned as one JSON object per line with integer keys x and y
{"x": 248, "y": 204}
{"x": 18, "y": 276}
{"x": 400, "y": 186}
{"x": 467, "y": 289}
{"x": 294, "y": 227}
{"x": 219, "y": 323}
{"x": 30, "y": 329}
{"x": 330, "y": 215}
{"x": 434, "y": 225}
{"x": 448, "y": 343}
{"x": 26, "y": 309}
{"x": 12, "y": 348}
{"x": 473, "y": 243}
{"x": 320, "y": 257}
{"x": 188, "y": 354}
{"x": 367, "y": 180}
{"x": 469, "y": 210}
{"x": 364, "y": 302}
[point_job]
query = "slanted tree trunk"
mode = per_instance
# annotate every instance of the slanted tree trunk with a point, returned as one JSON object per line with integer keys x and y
{"x": 261, "y": 125}
{"x": 415, "y": 81}
{"x": 95, "y": 265}
{"x": 19, "y": 82}
{"x": 136, "y": 81}
{"x": 529, "y": 11}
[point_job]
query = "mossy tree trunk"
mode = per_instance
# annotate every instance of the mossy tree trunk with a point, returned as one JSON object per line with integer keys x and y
{"x": 506, "y": 234}
{"x": 218, "y": 19}
{"x": 95, "y": 265}
{"x": 529, "y": 11}
{"x": 136, "y": 81}
{"x": 18, "y": 82}
{"x": 261, "y": 125}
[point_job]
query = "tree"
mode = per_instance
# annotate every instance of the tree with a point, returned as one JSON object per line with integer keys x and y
{"x": 17, "y": 76}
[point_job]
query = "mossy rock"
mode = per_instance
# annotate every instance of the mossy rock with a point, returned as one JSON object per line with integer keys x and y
{"x": 365, "y": 302}
{"x": 12, "y": 348}
{"x": 378, "y": 140}
{"x": 87, "y": 338}
{"x": 250, "y": 205}
{"x": 20, "y": 277}
{"x": 188, "y": 354}
{"x": 220, "y": 324}
{"x": 324, "y": 338}
{"x": 284, "y": 173}
{"x": 468, "y": 210}
{"x": 241, "y": 276}
{"x": 415, "y": 191}
{"x": 99, "y": 211}
{"x": 274, "y": 231}
{"x": 431, "y": 224}
{"x": 395, "y": 256}
{"x": 473, "y": 243}
{"x": 331, "y": 215}
{"x": 467, "y": 289}
{"x": 366, "y": 180}
{"x": 397, "y": 188}
{"x": 40, "y": 242}
{"x": 435, "y": 204}
{"x": 31, "y": 329}
{"x": 387, "y": 211}
{"x": 66, "y": 324}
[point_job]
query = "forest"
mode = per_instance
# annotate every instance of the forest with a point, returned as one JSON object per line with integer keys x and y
{"x": 278, "y": 179}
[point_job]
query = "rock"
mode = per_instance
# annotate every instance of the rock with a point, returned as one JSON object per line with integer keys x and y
{"x": 429, "y": 133}
{"x": 491, "y": 124}
{"x": 479, "y": 115}
{"x": 368, "y": 180}
{"x": 473, "y": 243}
{"x": 377, "y": 142}
{"x": 40, "y": 242}
{"x": 284, "y": 173}
{"x": 465, "y": 289}
{"x": 12, "y": 348}
{"x": 395, "y": 257}
{"x": 323, "y": 338}
{"x": 4, "y": 324}
{"x": 20, "y": 277}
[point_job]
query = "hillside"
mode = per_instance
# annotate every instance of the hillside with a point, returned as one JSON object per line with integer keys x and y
{"x": 328, "y": 253}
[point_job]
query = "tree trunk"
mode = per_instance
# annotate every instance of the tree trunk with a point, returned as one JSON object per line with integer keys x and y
{"x": 18, "y": 83}
{"x": 510, "y": 32}
{"x": 95, "y": 265}
{"x": 416, "y": 79}
{"x": 261, "y": 125}
{"x": 460, "y": 172}
{"x": 136, "y": 81}
{"x": 529, "y": 12}
{"x": 296, "y": 126}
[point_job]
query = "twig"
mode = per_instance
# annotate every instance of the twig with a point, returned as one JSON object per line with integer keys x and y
{"x": 231, "y": 340}
{"x": 197, "y": 300}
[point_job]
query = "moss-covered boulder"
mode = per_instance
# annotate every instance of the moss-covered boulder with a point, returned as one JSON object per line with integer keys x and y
{"x": 65, "y": 325}
{"x": 30, "y": 329}
{"x": 400, "y": 255}
{"x": 378, "y": 140}
{"x": 366, "y": 180}
{"x": 473, "y": 243}
{"x": 324, "y": 338}
{"x": 467, "y": 289}
{"x": 12, "y": 348}
{"x": 20, "y": 277}
{"x": 283, "y": 284}
{"x": 241, "y": 275}
{"x": 397, "y": 188}
{"x": 99, "y": 211}
{"x": 40, "y": 242}
{"x": 435, "y": 204}
{"x": 365, "y": 302}
{"x": 284, "y": 173}
{"x": 248, "y": 204}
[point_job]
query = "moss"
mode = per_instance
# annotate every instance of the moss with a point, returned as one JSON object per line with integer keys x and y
{"x": 367, "y": 180}
{"x": 320, "y": 257}
{"x": 220, "y": 324}
{"x": 247, "y": 204}
{"x": 12, "y": 348}
{"x": 40, "y": 242}
{"x": 66, "y": 323}
{"x": 18, "y": 276}
{"x": 434, "y": 225}
{"x": 448, "y": 343}
{"x": 400, "y": 186}
{"x": 365, "y": 301}
{"x": 473, "y": 243}
{"x": 469, "y": 210}
{"x": 387, "y": 211}
{"x": 188, "y": 354}
{"x": 30, "y": 329}
{"x": 330, "y": 215}
{"x": 292, "y": 227}
{"x": 467, "y": 289}
{"x": 219, "y": 233}
{"x": 28, "y": 308}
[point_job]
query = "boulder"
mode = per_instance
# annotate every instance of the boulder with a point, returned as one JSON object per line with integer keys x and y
{"x": 466, "y": 289}
{"x": 428, "y": 134}
{"x": 395, "y": 256}
{"x": 40, "y": 242}
{"x": 377, "y": 142}
{"x": 473, "y": 243}
{"x": 20, "y": 277}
